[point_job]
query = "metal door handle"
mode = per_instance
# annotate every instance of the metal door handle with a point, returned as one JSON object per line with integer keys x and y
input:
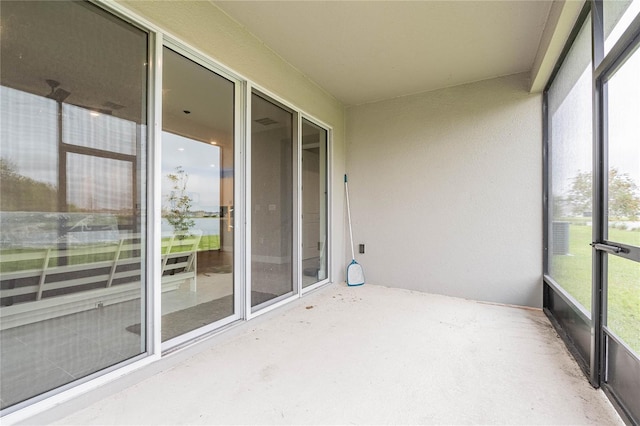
{"x": 608, "y": 248}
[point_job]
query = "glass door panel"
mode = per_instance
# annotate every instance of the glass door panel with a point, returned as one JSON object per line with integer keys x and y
{"x": 197, "y": 196}
{"x": 623, "y": 301}
{"x": 314, "y": 203}
{"x": 624, "y": 153}
{"x": 623, "y": 211}
{"x": 272, "y": 202}
{"x": 72, "y": 205}
{"x": 622, "y": 216}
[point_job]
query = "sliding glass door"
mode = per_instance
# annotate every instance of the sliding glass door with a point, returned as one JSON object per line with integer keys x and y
{"x": 73, "y": 231}
{"x": 272, "y": 178}
{"x": 117, "y": 239}
{"x": 314, "y": 203}
{"x": 197, "y": 196}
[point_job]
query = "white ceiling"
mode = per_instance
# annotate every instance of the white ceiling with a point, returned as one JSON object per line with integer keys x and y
{"x": 364, "y": 51}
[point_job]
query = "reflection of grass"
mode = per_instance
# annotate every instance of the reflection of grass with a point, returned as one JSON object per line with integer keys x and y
{"x": 33, "y": 259}
{"x": 207, "y": 242}
{"x": 573, "y": 273}
{"x": 21, "y": 265}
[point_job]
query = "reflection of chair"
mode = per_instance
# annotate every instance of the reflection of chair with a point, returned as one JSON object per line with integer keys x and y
{"x": 180, "y": 257}
{"x": 41, "y": 284}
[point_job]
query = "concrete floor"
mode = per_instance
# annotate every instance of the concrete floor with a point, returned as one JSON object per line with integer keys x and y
{"x": 370, "y": 355}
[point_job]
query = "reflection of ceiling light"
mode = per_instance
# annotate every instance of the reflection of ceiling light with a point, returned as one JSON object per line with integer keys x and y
{"x": 213, "y": 143}
{"x": 180, "y": 149}
{"x": 94, "y": 114}
{"x": 213, "y": 165}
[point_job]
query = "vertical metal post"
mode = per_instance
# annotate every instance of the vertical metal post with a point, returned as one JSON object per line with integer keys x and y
{"x": 547, "y": 214}
{"x": 152, "y": 315}
{"x": 599, "y": 104}
{"x": 546, "y": 181}
{"x": 62, "y": 188}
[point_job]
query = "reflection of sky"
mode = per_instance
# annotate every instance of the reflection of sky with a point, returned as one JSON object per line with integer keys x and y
{"x": 29, "y": 141}
{"x": 201, "y": 162}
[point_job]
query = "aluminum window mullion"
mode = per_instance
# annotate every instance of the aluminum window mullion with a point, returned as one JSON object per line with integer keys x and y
{"x": 298, "y": 237}
{"x": 546, "y": 181}
{"x": 598, "y": 274}
{"x": 154, "y": 173}
{"x": 248, "y": 215}
{"x": 241, "y": 225}
{"x": 296, "y": 169}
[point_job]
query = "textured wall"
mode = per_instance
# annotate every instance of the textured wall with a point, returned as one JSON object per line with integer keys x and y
{"x": 206, "y": 28}
{"x": 446, "y": 188}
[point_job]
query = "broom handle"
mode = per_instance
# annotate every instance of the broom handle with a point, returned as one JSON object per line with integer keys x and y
{"x": 346, "y": 190}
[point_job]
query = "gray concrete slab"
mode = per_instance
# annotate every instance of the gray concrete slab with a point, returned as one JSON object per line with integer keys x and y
{"x": 370, "y": 355}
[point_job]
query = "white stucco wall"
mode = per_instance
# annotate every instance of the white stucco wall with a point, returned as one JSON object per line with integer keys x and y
{"x": 445, "y": 191}
{"x": 205, "y": 27}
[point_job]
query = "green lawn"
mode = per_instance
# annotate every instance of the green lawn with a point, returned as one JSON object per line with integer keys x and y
{"x": 573, "y": 273}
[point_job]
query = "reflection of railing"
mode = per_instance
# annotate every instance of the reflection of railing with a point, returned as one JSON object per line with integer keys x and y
{"x": 179, "y": 257}
{"x": 37, "y": 285}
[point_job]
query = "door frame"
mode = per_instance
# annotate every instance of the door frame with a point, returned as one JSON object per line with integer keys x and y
{"x": 607, "y": 361}
{"x": 609, "y": 354}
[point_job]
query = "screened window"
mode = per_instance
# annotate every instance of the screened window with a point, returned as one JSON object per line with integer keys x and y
{"x": 570, "y": 195}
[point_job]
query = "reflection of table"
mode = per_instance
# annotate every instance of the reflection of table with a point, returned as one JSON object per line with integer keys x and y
{"x": 35, "y": 288}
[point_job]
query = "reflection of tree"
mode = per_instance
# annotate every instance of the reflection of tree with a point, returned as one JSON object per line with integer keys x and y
{"x": 21, "y": 193}
{"x": 179, "y": 212}
{"x": 624, "y": 194}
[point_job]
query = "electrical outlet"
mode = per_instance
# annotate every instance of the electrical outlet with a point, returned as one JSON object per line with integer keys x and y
{"x": 361, "y": 248}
